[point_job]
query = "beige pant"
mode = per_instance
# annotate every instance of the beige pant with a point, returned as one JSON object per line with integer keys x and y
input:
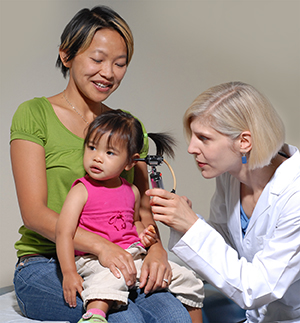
{"x": 100, "y": 283}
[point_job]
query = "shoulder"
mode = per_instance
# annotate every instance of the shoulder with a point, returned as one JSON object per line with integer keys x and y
{"x": 35, "y": 104}
{"x": 78, "y": 187}
{"x": 130, "y": 187}
{"x": 78, "y": 180}
{"x": 83, "y": 182}
{"x": 287, "y": 176}
{"x": 77, "y": 194}
{"x": 34, "y": 109}
{"x": 30, "y": 120}
{"x": 136, "y": 192}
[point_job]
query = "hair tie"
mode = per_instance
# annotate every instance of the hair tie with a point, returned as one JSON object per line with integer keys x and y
{"x": 145, "y": 135}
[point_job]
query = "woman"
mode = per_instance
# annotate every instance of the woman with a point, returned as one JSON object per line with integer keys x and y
{"x": 46, "y": 153}
{"x": 249, "y": 249}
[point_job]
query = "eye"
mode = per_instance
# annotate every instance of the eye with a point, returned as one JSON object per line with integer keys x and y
{"x": 98, "y": 61}
{"x": 121, "y": 64}
{"x": 202, "y": 138}
{"x": 110, "y": 153}
{"x": 91, "y": 147}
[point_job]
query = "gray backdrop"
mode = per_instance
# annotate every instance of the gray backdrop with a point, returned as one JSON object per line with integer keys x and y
{"x": 181, "y": 48}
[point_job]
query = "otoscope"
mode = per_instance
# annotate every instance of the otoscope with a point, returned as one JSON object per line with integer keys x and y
{"x": 156, "y": 177}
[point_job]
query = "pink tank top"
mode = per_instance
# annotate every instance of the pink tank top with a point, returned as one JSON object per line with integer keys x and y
{"x": 109, "y": 212}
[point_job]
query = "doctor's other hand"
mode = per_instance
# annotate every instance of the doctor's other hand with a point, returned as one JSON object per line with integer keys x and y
{"x": 173, "y": 210}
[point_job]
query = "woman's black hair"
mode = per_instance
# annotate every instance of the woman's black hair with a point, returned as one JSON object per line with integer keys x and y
{"x": 80, "y": 31}
{"x": 127, "y": 130}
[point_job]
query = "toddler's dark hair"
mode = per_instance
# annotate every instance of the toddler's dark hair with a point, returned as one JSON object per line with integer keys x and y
{"x": 127, "y": 130}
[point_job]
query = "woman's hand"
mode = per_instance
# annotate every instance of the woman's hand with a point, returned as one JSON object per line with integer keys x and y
{"x": 117, "y": 260}
{"x": 155, "y": 269}
{"x": 173, "y": 210}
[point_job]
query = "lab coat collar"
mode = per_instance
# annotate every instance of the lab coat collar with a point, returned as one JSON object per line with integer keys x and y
{"x": 282, "y": 178}
{"x": 287, "y": 171}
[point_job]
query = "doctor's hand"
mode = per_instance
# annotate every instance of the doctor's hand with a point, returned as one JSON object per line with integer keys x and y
{"x": 172, "y": 210}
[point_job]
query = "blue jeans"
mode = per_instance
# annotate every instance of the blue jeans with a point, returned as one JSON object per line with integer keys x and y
{"x": 38, "y": 286}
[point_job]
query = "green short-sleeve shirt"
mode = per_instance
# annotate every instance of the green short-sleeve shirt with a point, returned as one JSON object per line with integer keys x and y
{"x": 36, "y": 121}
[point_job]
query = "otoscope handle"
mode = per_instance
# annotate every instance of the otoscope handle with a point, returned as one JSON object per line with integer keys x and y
{"x": 156, "y": 179}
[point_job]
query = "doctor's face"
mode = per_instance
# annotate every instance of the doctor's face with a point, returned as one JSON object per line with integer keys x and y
{"x": 214, "y": 152}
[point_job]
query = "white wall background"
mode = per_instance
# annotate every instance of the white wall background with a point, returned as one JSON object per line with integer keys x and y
{"x": 181, "y": 48}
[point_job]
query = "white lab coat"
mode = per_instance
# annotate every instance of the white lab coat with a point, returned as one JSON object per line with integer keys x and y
{"x": 260, "y": 272}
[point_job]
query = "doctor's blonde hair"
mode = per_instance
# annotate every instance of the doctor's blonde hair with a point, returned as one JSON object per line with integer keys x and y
{"x": 234, "y": 107}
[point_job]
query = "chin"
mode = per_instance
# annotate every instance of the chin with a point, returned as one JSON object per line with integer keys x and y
{"x": 206, "y": 175}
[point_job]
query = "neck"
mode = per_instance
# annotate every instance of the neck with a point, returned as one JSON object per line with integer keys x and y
{"x": 87, "y": 108}
{"x": 255, "y": 180}
{"x": 109, "y": 183}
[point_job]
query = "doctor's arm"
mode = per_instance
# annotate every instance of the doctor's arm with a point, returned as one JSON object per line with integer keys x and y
{"x": 250, "y": 284}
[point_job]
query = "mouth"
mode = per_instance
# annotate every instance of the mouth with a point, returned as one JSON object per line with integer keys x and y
{"x": 103, "y": 86}
{"x": 200, "y": 164}
{"x": 96, "y": 170}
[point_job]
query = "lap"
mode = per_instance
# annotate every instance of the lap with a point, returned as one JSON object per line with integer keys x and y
{"x": 38, "y": 285}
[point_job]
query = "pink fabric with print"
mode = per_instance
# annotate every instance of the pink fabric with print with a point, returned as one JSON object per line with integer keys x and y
{"x": 109, "y": 212}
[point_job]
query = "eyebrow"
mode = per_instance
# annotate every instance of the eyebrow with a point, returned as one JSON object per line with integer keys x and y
{"x": 112, "y": 148}
{"x": 199, "y": 133}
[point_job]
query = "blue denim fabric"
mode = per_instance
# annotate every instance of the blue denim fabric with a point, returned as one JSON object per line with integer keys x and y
{"x": 38, "y": 286}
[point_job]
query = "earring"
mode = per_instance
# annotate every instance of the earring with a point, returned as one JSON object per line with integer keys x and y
{"x": 244, "y": 158}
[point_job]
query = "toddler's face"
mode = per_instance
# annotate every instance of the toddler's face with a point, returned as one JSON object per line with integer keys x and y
{"x": 105, "y": 162}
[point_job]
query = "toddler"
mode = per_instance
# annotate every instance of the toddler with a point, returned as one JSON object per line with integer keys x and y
{"x": 106, "y": 204}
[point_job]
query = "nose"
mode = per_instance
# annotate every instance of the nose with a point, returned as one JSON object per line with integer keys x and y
{"x": 98, "y": 158}
{"x": 106, "y": 70}
{"x": 193, "y": 149}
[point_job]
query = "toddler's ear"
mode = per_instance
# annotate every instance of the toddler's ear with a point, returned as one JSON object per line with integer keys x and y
{"x": 132, "y": 162}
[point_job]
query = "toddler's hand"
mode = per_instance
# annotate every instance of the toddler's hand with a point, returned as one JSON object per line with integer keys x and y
{"x": 72, "y": 283}
{"x": 148, "y": 236}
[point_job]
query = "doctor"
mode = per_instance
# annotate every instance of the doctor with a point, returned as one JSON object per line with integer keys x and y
{"x": 250, "y": 247}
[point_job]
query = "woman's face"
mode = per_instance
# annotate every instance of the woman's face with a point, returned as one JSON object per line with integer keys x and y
{"x": 98, "y": 71}
{"x": 214, "y": 152}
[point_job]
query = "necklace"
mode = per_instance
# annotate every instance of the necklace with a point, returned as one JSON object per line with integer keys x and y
{"x": 71, "y": 105}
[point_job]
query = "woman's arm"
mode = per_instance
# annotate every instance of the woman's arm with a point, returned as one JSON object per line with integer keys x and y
{"x": 156, "y": 266}
{"x": 29, "y": 170}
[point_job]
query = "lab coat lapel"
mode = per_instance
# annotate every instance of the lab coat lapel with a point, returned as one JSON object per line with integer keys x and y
{"x": 234, "y": 219}
{"x": 277, "y": 184}
{"x": 262, "y": 206}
